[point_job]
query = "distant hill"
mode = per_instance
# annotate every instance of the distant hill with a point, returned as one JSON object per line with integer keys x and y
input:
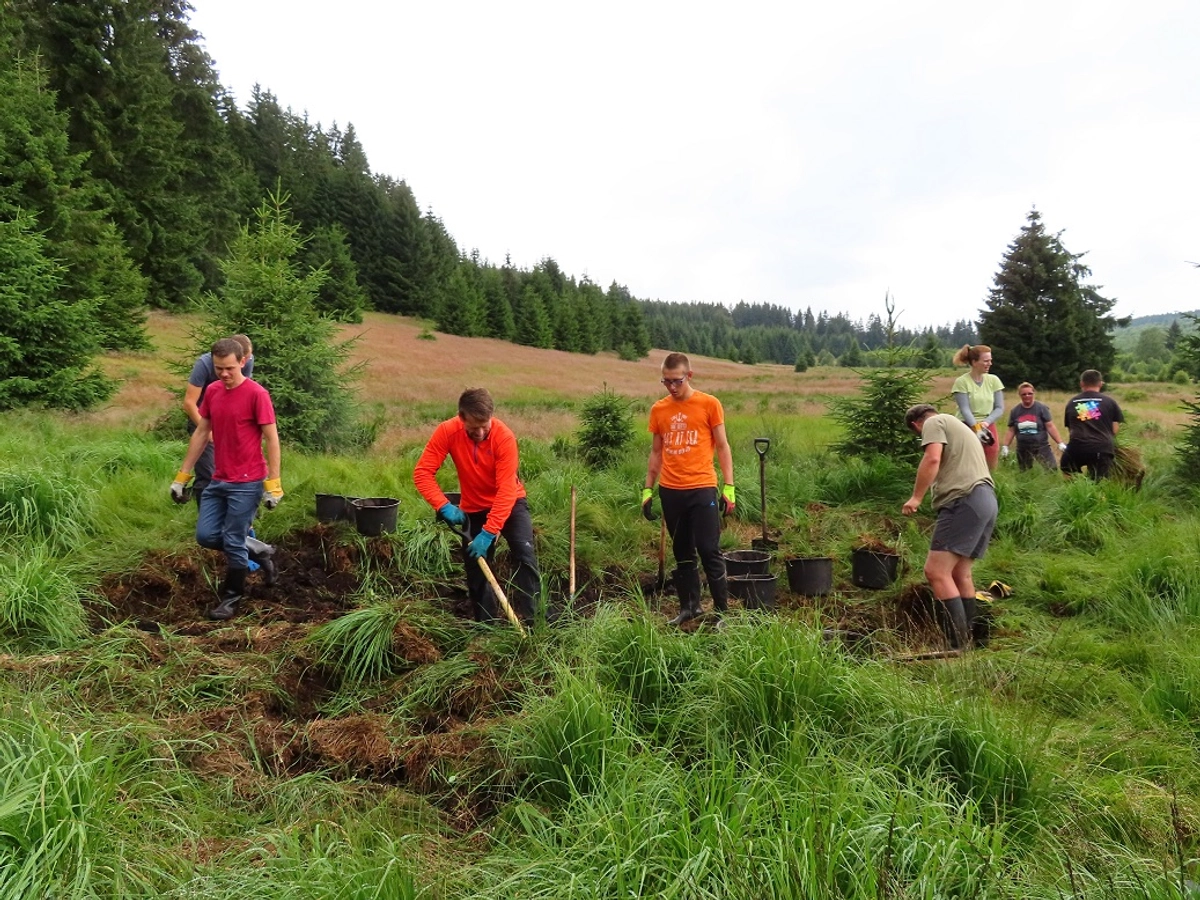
{"x": 1126, "y": 338}
{"x": 1163, "y": 319}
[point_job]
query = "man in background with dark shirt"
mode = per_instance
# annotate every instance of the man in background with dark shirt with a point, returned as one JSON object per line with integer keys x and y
{"x": 1093, "y": 420}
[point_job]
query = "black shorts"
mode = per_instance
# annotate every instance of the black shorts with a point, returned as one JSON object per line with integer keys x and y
{"x": 964, "y": 527}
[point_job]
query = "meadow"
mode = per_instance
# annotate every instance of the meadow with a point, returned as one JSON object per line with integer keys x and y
{"x": 353, "y": 735}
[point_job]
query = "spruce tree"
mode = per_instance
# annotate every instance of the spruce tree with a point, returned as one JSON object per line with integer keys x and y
{"x": 142, "y": 104}
{"x": 41, "y": 176}
{"x": 533, "y": 323}
{"x": 48, "y": 340}
{"x": 1043, "y": 323}
{"x": 269, "y": 296}
{"x": 500, "y": 321}
{"x": 462, "y": 309}
{"x": 340, "y": 297}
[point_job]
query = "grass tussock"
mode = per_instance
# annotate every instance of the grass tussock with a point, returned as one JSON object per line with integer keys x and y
{"x": 41, "y": 602}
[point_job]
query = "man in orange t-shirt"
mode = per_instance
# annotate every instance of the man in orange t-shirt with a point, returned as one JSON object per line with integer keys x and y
{"x": 484, "y": 451}
{"x": 688, "y": 427}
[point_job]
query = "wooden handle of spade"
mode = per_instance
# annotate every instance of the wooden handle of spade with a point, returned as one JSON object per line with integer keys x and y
{"x": 508, "y": 610}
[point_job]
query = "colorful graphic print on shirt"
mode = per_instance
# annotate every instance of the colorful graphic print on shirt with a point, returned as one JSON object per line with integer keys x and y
{"x": 1087, "y": 410}
{"x": 1029, "y": 425}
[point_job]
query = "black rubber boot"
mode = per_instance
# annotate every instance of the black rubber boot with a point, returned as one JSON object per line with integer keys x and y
{"x": 954, "y": 624}
{"x": 231, "y": 594}
{"x": 687, "y": 584}
{"x": 979, "y": 616}
{"x": 263, "y": 554}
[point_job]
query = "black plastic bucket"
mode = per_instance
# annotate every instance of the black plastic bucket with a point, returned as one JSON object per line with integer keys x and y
{"x": 375, "y": 515}
{"x": 873, "y": 569}
{"x": 335, "y": 508}
{"x": 811, "y": 576}
{"x": 747, "y": 562}
{"x": 756, "y": 591}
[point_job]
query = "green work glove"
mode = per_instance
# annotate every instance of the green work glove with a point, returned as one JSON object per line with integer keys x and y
{"x": 728, "y": 499}
{"x": 648, "y": 505}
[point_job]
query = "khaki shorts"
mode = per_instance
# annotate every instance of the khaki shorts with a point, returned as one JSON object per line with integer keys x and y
{"x": 964, "y": 527}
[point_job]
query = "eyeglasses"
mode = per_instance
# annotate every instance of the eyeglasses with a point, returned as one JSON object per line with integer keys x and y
{"x": 1026, "y": 395}
{"x": 673, "y": 382}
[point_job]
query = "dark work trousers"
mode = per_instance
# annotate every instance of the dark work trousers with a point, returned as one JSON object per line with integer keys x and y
{"x": 1075, "y": 457}
{"x": 694, "y": 523}
{"x": 203, "y": 471}
{"x": 525, "y": 585}
{"x": 1027, "y": 452}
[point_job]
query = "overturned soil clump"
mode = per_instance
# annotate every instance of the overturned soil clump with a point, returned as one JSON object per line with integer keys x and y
{"x": 316, "y": 577}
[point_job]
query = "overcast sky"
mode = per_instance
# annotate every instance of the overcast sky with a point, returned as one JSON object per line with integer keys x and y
{"x": 794, "y": 153}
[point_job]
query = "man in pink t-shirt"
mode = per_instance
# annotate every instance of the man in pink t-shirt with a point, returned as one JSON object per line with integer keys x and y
{"x": 240, "y": 420}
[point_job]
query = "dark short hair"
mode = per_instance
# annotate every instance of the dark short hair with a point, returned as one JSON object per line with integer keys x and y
{"x": 677, "y": 361}
{"x": 1091, "y": 377}
{"x": 229, "y": 346}
{"x": 247, "y": 347}
{"x": 476, "y": 403}
{"x": 916, "y": 413}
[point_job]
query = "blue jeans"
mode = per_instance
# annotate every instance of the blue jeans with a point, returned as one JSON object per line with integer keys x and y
{"x": 226, "y": 516}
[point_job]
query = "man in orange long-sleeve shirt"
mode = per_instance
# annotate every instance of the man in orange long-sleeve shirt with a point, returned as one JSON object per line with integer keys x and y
{"x": 484, "y": 451}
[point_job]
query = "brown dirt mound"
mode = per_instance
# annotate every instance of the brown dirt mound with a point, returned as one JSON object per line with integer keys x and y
{"x": 357, "y": 745}
{"x": 459, "y": 771}
{"x": 317, "y": 575}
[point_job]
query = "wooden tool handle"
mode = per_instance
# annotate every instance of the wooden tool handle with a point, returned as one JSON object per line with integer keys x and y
{"x": 508, "y": 610}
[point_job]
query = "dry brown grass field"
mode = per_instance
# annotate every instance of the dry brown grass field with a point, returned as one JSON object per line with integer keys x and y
{"x": 417, "y": 381}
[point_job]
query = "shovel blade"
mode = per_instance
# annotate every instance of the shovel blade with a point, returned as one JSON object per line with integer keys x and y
{"x": 764, "y": 544}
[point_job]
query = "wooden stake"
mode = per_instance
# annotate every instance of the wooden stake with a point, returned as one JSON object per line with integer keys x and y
{"x": 932, "y": 654}
{"x": 571, "y": 572}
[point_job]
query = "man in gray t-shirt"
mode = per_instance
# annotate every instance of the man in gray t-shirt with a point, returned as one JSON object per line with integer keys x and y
{"x": 203, "y": 374}
{"x": 954, "y": 468}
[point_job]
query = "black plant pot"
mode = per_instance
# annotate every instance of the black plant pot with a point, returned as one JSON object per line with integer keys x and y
{"x": 747, "y": 562}
{"x": 375, "y": 515}
{"x": 811, "y": 576}
{"x": 873, "y": 569}
{"x": 335, "y": 508}
{"x": 755, "y": 591}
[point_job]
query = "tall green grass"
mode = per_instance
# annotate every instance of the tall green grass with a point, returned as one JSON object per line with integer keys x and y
{"x": 623, "y": 758}
{"x": 41, "y": 602}
{"x": 56, "y": 508}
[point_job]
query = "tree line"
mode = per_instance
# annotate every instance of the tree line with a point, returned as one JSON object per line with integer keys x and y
{"x": 127, "y": 171}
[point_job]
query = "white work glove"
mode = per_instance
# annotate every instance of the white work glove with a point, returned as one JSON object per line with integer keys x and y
{"x": 1061, "y": 446}
{"x": 1004, "y": 450}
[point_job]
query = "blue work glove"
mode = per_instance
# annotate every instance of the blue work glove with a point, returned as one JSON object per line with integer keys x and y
{"x": 452, "y": 514}
{"x": 479, "y": 547}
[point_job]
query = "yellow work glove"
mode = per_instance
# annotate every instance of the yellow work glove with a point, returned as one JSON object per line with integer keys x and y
{"x": 272, "y": 492}
{"x": 181, "y": 487}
